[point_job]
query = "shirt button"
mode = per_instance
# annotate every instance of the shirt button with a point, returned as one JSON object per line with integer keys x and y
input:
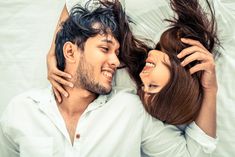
{"x": 77, "y": 136}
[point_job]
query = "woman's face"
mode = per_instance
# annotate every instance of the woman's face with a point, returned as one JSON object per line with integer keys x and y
{"x": 155, "y": 75}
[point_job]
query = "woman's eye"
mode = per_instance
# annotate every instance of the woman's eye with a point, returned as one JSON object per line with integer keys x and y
{"x": 153, "y": 86}
{"x": 117, "y": 53}
{"x": 105, "y": 49}
{"x": 142, "y": 87}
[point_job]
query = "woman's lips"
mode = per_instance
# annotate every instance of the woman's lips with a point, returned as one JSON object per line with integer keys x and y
{"x": 146, "y": 69}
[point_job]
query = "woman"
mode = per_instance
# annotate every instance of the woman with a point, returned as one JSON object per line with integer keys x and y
{"x": 204, "y": 124}
{"x": 169, "y": 92}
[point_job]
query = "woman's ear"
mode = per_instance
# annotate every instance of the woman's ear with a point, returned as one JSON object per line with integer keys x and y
{"x": 70, "y": 52}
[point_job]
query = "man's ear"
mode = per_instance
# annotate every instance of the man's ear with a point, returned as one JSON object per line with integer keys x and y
{"x": 70, "y": 52}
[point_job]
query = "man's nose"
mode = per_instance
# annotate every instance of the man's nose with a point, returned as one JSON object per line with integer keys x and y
{"x": 113, "y": 60}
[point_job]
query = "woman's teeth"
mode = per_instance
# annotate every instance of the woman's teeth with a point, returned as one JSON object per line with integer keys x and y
{"x": 148, "y": 64}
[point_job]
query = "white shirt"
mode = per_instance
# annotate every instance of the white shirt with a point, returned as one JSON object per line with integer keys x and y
{"x": 114, "y": 125}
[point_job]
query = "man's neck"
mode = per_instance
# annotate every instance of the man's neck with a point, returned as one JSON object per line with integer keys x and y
{"x": 77, "y": 101}
{"x": 72, "y": 108}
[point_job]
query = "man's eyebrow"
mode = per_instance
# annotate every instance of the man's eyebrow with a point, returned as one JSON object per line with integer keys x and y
{"x": 107, "y": 41}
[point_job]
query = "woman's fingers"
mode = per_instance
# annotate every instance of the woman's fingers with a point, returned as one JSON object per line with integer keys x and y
{"x": 190, "y": 50}
{"x": 208, "y": 79}
{"x": 206, "y": 63}
{"x": 57, "y": 77}
{"x": 59, "y": 88}
{"x": 192, "y": 42}
{"x": 62, "y": 74}
{"x": 62, "y": 81}
{"x": 196, "y": 56}
{"x": 196, "y": 47}
{"x": 57, "y": 95}
{"x": 207, "y": 67}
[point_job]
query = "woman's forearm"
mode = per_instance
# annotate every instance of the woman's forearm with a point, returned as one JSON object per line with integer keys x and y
{"x": 63, "y": 16}
{"x": 206, "y": 119}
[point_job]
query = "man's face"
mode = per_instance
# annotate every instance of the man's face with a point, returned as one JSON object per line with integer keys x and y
{"x": 98, "y": 63}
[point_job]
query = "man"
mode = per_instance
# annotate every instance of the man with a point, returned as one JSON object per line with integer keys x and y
{"x": 90, "y": 122}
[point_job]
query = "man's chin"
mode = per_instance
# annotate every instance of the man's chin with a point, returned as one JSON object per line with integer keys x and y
{"x": 108, "y": 87}
{"x": 103, "y": 89}
{"x": 106, "y": 90}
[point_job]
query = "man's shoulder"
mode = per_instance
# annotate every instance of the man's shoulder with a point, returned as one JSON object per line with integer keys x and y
{"x": 126, "y": 98}
{"x": 22, "y": 103}
{"x": 31, "y": 95}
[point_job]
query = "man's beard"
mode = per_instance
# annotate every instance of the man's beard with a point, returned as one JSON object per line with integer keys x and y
{"x": 86, "y": 80}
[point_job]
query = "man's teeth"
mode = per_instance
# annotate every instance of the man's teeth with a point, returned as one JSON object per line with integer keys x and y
{"x": 108, "y": 74}
{"x": 150, "y": 64}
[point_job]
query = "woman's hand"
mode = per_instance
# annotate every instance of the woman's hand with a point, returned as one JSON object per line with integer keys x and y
{"x": 207, "y": 64}
{"x": 206, "y": 119}
{"x": 57, "y": 77}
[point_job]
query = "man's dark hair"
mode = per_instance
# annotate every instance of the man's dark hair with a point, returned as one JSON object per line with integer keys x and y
{"x": 80, "y": 25}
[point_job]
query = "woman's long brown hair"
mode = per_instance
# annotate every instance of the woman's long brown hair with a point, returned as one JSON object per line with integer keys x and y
{"x": 179, "y": 102}
{"x": 133, "y": 52}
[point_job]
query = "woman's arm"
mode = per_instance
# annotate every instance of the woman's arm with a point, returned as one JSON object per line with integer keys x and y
{"x": 63, "y": 16}
{"x": 55, "y": 76}
{"x": 206, "y": 119}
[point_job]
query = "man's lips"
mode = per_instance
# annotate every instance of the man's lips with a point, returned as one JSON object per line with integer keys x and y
{"x": 108, "y": 73}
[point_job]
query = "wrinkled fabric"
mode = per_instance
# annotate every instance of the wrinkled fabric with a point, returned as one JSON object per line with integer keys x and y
{"x": 114, "y": 125}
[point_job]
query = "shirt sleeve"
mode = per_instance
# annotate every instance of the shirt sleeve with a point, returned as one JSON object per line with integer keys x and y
{"x": 194, "y": 134}
{"x": 163, "y": 140}
{"x": 8, "y": 148}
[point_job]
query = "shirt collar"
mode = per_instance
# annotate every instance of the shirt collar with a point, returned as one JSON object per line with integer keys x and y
{"x": 45, "y": 99}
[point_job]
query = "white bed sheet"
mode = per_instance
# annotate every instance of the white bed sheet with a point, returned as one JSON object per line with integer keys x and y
{"x": 26, "y": 30}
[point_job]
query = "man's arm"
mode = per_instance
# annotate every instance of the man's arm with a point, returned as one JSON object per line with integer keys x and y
{"x": 7, "y": 147}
